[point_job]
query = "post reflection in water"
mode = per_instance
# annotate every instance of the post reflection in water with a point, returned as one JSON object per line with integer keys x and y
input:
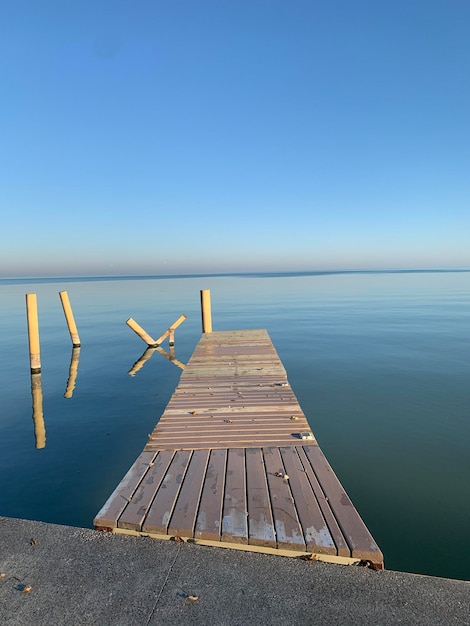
{"x": 171, "y": 356}
{"x": 139, "y": 364}
{"x": 149, "y": 353}
{"x": 38, "y": 417}
{"x": 73, "y": 371}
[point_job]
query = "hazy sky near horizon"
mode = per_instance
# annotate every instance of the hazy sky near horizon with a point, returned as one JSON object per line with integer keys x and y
{"x": 149, "y": 137}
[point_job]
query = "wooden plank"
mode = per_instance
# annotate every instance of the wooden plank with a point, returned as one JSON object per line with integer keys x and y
{"x": 118, "y": 500}
{"x": 239, "y": 415}
{"x": 315, "y": 530}
{"x": 226, "y": 443}
{"x": 162, "y": 506}
{"x": 357, "y": 535}
{"x": 208, "y": 523}
{"x": 226, "y": 428}
{"x": 216, "y": 376}
{"x": 270, "y": 402}
{"x": 234, "y": 522}
{"x": 260, "y": 520}
{"x": 227, "y": 425}
{"x": 223, "y": 400}
{"x": 231, "y": 355}
{"x": 289, "y": 533}
{"x": 281, "y": 420}
{"x": 200, "y": 407}
{"x": 335, "y": 531}
{"x": 222, "y": 393}
{"x": 239, "y": 371}
{"x": 278, "y": 419}
{"x": 249, "y": 350}
{"x": 184, "y": 514}
{"x": 135, "y": 512}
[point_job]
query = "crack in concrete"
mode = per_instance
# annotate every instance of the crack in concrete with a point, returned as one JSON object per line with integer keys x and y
{"x": 163, "y": 586}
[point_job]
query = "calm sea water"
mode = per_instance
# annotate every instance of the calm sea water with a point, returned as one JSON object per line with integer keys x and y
{"x": 380, "y": 363}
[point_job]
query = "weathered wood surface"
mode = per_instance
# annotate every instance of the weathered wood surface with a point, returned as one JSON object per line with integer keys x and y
{"x": 234, "y": 524}
{"x": 233, "y": 393}
{"x": 225, "y": 465}
{"x": 212, "y": 498}
{"x": 239, "y": 496}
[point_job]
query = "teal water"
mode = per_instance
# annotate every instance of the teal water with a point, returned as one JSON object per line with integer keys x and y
{"x": 380, "y": 363}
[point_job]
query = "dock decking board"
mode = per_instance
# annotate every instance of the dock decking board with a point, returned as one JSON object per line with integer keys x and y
{"x": 234, "y": 513}
{"x": 233, "y": 392}
{"x": 136, "y": 510}
{"x": 333, "y": 527}
{"x": 226, "y": 464}
{"x": 261, "y": 531}
{"x": 287, "y": 527}
{"x": 209, "y": 518}
{"x": 184, "y": 514}
{"x": 315, "y": 530}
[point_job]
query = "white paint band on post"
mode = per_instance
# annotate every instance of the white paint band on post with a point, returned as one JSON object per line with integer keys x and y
{"x": 33, "y": 333}
{"x": 64, "y": 298}
{"x": 206, "y": 312}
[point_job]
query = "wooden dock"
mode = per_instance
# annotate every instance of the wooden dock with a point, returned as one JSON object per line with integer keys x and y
{"x": 233, "y": 462}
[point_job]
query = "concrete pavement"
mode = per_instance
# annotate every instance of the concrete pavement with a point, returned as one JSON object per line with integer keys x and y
{"x": 81, "y": 577}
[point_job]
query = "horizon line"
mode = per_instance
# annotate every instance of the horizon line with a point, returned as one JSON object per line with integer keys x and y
{"x": 264, "y": 274}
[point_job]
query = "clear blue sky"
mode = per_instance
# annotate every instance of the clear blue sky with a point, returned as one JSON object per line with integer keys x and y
{"x": 148, "y": 137}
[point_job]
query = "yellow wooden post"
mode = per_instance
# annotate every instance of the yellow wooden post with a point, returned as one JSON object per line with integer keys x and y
{"x": 64, "y": 298}
{"x": 38, "y": 417}
{"x": 33, "y": 333}
{"x": 141, "y": 332}
{"x": 170, "y": 332}
{"x": 206, "y": 311}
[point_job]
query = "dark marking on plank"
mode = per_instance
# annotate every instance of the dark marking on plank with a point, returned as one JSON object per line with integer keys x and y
{"x": 162, "y": 506}
{"x": 260, "y": 520}
{"x": 286, "y": 522}
{"x": 315, "y": 530}
{"x": 184, "y": 514}
{"x": 209, "y": 519}
{"x": 118, "y": 500}
{"x": 360, "y": 540}
{"x": 134, "y": 514}
{"x": 234, "y": 522}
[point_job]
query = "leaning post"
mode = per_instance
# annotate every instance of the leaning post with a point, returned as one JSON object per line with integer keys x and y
{"x": 206, "y": 311}
{"x": 141, "y": 332}
{"x": 64, "y": 298}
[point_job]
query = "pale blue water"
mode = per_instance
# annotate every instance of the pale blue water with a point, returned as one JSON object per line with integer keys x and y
{"x": 380, "y": 363}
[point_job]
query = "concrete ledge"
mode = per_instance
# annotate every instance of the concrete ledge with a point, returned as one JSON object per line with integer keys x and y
{"x": 80, "y": 576}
